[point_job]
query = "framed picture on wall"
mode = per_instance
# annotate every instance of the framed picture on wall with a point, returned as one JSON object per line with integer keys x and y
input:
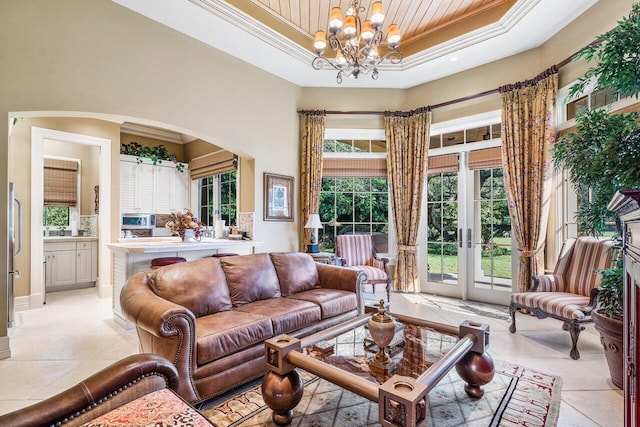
{"x": 278, "y": 197}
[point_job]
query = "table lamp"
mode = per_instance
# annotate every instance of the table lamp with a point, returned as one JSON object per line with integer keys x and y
{"x": 313, "y": 223}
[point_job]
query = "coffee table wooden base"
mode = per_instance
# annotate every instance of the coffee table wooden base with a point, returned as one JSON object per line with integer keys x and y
{"x": 402, "y": 401}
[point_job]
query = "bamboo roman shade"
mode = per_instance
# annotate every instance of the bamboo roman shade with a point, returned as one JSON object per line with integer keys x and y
{"x": 213, "y": 164}
{"x": 487, "y": 158}
{"x": 443, "y": 164}
{"x": 357, "y": 168}
{"x": 60, "y": 182}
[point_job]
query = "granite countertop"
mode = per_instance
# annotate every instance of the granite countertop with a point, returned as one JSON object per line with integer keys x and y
{"x": 51, "y": 239}
{"x": 172, "y": 244}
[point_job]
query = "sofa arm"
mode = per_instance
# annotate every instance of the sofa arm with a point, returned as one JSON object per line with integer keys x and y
{"x": 593, "y": 301}
{"x": 164, "y": 328}
{"x": 152, "y": 313}
{"x": 114, "y": 386}
{"x": 546, "y": 283}
{"x": 343, "y": 278}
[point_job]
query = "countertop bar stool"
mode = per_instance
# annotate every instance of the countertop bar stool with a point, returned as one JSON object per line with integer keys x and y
{"x": 161, "y": 262}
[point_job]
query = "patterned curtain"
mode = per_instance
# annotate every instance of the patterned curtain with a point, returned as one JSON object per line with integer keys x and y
{"x": 407, "y": 144}
{"x": 528, "y": 133}
{"x": 312, "y": 124}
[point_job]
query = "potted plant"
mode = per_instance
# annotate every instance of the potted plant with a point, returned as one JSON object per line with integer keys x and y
{"x": 157, "y": 154}
{"x": 603, "y": 156}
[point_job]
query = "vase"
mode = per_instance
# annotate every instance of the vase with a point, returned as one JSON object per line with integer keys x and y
{"x": 612, "y": 339}
{"x": 189, "y": 236}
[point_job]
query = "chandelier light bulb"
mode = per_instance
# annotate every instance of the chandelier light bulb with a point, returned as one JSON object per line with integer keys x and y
{"x": 349, "y": 26}
{"x": 393, "y": 35}
{"x": 367, "y": 31}
{"x": 320, "y": 42}
{"x": 377, "y": 14}
{"x": 335, "y": 19}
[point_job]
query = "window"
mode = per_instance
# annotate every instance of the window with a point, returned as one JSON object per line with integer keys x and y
{"x": 354, "y": 195}
{"x": 218, "y": 198}
{"x": 590, "y": 101}
{"x": 354, "y": 206}
{"x": 55, "y": 216}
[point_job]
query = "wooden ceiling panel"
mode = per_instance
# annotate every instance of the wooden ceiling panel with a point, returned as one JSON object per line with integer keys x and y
{"x": 419, "y": 20}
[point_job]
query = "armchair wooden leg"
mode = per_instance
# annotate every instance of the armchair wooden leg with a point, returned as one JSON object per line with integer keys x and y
{"x": 512, "y": 311}
{"x": 574, "y": 330}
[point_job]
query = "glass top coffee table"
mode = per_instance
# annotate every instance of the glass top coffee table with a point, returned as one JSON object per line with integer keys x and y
{"x": 393, "y": 360}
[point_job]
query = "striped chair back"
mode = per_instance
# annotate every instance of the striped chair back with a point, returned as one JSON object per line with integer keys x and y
{"x": 355, "y": 249}
{"x": 589, "y": 254}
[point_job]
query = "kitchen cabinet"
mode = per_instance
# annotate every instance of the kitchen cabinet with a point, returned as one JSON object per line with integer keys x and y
{"x": 70, "y": 265}
{"x": 149, "y": 188}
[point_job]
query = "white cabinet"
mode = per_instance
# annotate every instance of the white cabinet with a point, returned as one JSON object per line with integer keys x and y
{"x": 70, "y": 265}
{"x": 149, "y": 188}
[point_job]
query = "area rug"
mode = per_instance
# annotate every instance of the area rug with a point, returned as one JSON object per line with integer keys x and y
{"x": 517, "y": 396}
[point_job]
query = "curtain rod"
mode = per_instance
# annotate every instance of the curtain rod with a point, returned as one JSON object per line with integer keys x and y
{"x": 453, "y": 101}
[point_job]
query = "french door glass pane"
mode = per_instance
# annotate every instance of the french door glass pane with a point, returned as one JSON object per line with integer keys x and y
{"x": 493, "y": 238}
{"x": 442, "y": 226}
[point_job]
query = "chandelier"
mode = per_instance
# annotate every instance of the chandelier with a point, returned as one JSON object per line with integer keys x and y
{"x": 356, "y": 43}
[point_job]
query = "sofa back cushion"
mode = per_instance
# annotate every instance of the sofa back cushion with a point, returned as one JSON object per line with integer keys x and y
{"x": 199, "y": 286}
{"x": 297, "y": 272}
{"x": 250, "y": 278}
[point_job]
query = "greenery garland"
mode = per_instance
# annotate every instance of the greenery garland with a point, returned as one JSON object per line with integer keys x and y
{"x": 157, "y": 154}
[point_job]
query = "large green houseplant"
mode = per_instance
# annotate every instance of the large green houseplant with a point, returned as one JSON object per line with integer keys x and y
{"x": 603, "y": 156}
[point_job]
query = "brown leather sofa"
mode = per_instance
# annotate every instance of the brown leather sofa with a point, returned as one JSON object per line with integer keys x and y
{"x": 129, "y": 380}
{"x": 211, "y": 316}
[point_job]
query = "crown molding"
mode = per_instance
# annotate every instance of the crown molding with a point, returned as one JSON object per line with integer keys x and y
{"x": 155, "y": 133}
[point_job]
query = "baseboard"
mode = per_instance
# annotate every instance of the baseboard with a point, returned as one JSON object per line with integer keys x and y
{"x": 5, "y": 350}
{"x": 22, "y": 303}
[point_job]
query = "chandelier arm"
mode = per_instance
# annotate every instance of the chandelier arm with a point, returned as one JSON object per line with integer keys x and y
{"x": 319, "y": 62}
{"x": 394, "y": 56}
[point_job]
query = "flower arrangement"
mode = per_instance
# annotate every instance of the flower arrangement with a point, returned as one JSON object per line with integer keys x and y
{"x": 180, "y": 222}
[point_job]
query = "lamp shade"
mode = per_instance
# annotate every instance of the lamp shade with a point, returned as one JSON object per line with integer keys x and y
{"x": 314, "y": 221}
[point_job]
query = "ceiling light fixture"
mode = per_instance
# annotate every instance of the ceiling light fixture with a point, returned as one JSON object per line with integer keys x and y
{"x": 356, "y": 43}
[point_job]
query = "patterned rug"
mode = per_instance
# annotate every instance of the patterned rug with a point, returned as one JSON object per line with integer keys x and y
{"x": 517, "y": 396}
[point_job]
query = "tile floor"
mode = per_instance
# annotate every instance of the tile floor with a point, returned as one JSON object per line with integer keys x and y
{"x": 73, "y": 336}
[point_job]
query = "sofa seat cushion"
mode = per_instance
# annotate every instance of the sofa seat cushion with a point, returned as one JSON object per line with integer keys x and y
{"x": 296, "y": 271}
{"x": 198, "y": 285}
{"x": 161, "y": 407}
{"x": 561, "y": 304}
{"x": 287, "y": 315}
{"x": 250, "y": 278}
{"x": 332, "y": 302}
{"x": 227, "y": 332}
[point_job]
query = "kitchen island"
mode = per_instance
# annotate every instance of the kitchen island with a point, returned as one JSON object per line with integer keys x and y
{"x": 131, "y": 256}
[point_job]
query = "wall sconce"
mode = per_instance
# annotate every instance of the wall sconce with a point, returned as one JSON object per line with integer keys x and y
{"x": 314, "y": 224}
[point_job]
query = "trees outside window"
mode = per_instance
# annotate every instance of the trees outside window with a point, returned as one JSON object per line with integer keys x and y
{"x": 354, "y": 206}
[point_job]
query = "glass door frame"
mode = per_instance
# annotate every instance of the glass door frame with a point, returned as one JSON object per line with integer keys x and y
{"x": 465, "y": 288}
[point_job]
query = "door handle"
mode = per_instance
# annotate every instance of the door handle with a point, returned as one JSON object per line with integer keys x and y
{"x": 469, "y": 238}
{"x": 460, "y": 237}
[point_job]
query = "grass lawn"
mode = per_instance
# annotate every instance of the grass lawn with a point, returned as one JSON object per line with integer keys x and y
{"x": 501, "y": 263}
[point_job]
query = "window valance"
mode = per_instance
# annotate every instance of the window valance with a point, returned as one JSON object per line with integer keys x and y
{"x": 338, "y": 167}
{"x": 487, "y": 158}
{"x": 213, "y": 164}
{"x": 60, "y": 182}
{"x": 443, "y": 164}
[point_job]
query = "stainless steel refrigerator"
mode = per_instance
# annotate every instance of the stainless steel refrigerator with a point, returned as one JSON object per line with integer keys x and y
{"x": 15, "y": 246}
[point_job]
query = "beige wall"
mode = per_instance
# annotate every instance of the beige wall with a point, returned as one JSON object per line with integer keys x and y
{"x": 20, "y": 173}
{"x": 198, "y": 148}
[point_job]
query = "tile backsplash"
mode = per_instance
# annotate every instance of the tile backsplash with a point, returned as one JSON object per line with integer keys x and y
{"x": 89, "y": 223}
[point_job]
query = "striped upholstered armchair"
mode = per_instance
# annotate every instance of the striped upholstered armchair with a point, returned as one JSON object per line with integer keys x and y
{"x": 570, "y": 293}
{"x": 357, "y": 251}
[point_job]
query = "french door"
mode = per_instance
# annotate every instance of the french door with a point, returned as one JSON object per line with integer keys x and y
{"x": 467, "y": 236}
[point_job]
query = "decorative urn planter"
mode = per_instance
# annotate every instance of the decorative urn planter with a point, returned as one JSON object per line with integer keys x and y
{"x": 611, "y": 337}
{"x": 382, "y": 329}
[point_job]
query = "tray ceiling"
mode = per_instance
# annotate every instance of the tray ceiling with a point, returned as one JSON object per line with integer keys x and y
{"x": 440, "y": 37}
